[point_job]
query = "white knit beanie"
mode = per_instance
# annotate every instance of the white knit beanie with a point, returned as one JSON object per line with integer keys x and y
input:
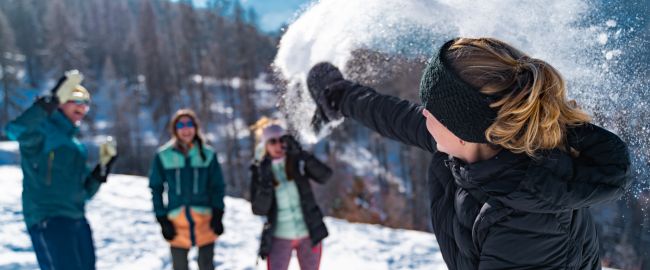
{"x": 272, "y": 131}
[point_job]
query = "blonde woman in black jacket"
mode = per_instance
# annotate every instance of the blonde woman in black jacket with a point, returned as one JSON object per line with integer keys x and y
{"x": 281, "y": 191}
{"x": 515, "y": 164}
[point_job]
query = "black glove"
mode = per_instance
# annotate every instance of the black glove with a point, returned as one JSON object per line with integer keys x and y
{"x": 215, "y": 222}
{"x": 320, "y": 78}
{"x": 58, "y": 84}
{"x": 48, "y": 103}
{"x": 102, "y": 174}
{"x": 291, "y": 146}
{"x": 167, "y": 227}
{"x": 334, "y": 94}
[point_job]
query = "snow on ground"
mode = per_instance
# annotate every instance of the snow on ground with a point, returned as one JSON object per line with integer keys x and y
{"x": 128, "y": 237}
{"x": 9, "y": 152}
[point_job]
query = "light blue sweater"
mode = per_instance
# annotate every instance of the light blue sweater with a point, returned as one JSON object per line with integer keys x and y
{"x": 290, "y": 223}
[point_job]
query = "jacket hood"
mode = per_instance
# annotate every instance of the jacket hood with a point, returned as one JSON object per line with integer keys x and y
{"x": 555, "y": 182}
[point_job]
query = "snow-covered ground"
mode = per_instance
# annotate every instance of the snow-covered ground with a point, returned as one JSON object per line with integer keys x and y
{"x": 128, "y": 237}
{"x": 9, "y": 153}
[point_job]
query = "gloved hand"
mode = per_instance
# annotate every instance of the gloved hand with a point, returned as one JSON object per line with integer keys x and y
{"x": 334, "y": 94}
{"x": 319, "y": 79}
{"x": 107, "y": 156}
{"x": 100, "y": 172}
{"x": 48, "y": 103}
{"x": 168, "y": 230}
{"x": 291, "y": 145}
{"x": 65, "y": 85}
{"x": 216, "y": 222}
{"x": 107, "y": 151}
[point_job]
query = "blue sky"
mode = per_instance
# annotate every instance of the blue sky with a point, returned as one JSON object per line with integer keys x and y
{"x": 272, "y": 13}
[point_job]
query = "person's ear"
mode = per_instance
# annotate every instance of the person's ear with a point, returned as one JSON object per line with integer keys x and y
{"x": 461, "y": 142}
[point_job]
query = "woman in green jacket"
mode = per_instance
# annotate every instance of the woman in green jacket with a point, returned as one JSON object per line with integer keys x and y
{"x": 190, "y": 171}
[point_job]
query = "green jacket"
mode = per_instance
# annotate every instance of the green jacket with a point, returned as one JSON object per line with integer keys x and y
{"x": 190, "y": 180}
{"x": 56, "y": 180}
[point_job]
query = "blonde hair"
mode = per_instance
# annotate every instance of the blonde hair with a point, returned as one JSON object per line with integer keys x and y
{"x": 259, "y": 126}
{"x": 256, "y": 129}
{"x": 529, "y": 95}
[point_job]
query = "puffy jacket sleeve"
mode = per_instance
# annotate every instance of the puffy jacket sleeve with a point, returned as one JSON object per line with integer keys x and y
{"x": 156, "y": 184}
{"x": 217, "y": 185}
{"x": 91, "y": 185}
{"x": 316, "y": 169}
{"x": 24, "y": 129}
{"x": 600, "y": 173}
{"x": 390, "y": 116}
{"x": 602, "y": 170}
{"x": 261, "y": 190}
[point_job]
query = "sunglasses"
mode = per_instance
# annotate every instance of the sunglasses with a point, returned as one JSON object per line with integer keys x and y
{"x": 80, "y": 101}
{"x": 181, "y": 125}
{"x": 274, "y": 141}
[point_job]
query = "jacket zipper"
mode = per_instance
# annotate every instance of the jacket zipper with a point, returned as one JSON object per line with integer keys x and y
{"x": 178, "y": 178}
{"x": 50, "y": 160}
{"x": 196, "y": 181}
{"x": 178, "y": 182}
{"x": 190, "y": 220}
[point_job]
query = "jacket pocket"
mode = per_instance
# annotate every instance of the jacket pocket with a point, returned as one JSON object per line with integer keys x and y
{"x": 263, "y": 200}
{"x": 173, "y": 179}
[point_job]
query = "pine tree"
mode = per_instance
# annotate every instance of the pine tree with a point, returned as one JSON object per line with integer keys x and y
{"x": 64, "y": 48}
{"x": 122, "y": 43}
{"x": 10, "y": 65}
{"x": 29, "y": 37}
{"x": 153, "y": 62}
{"x": 245, "y": 36}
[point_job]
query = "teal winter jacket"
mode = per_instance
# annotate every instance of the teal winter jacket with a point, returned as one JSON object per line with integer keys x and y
{"x": 56, "y": 180}
{"x": 191, "y": 180}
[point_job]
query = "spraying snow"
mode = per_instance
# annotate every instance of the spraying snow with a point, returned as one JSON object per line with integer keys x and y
{"x": 587, "y": 53}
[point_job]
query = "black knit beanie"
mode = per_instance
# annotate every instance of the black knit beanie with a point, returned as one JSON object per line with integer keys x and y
{"x": 460, "y": 107}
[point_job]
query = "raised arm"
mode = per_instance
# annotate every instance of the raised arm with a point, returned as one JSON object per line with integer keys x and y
{"x": 389, "y": 116}
{"x": 24, "y": 128}
{"x": 316, "y": 169}
{"x": 599, "y": 173}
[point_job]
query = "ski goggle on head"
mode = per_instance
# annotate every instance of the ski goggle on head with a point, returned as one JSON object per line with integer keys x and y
{"x": 80, "y": 96}
{"x": 80, "y": 101}
{"x": 182, "y": 125}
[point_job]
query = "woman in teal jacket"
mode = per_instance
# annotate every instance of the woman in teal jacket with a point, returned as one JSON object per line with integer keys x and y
{"x": 195, "y": 190}
{"x": 56, "y": 181}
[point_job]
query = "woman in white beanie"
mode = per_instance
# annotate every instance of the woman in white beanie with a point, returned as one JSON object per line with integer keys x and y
{"x": 280, "y": 190}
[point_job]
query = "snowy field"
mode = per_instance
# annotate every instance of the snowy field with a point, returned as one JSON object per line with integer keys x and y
{"x": 128, "y": 237}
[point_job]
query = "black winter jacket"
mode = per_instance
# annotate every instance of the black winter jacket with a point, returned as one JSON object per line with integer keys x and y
{"x": 508, "y": 212}
{"x": 304, "y": 167}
